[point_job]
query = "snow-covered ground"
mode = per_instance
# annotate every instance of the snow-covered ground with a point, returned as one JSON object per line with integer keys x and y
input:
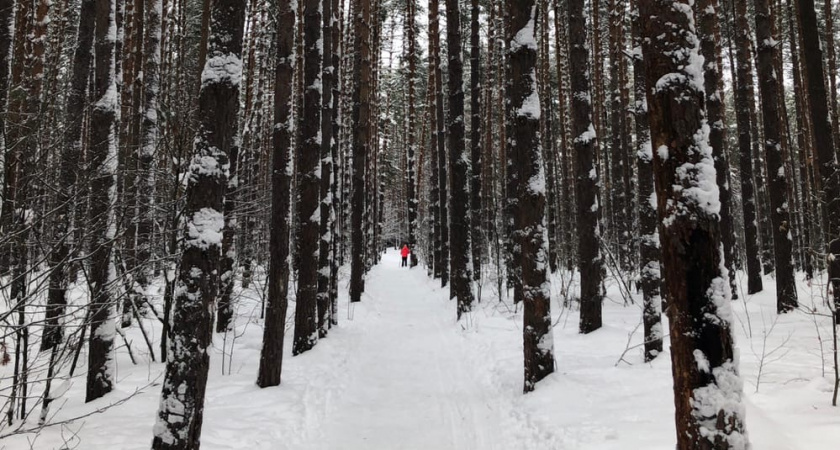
{"x": 399, "y": 373}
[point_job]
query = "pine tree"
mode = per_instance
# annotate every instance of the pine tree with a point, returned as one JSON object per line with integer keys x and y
{"x": 649, "y": 254}
{"x": 309, "y": 182}
{"x": 271, "y": 356}
{"x": 769, "y": 87}
{"x": 361, "y": 129}
{"x": 743, "y": 98}
{"x": 61, "y": 269}
{"x": 586, "y": 174}
{"x": 103, "y": 156}
{"x": 707, "y": 386}
{"x": 459, "y": 165}
{"x": 530, "y": 226}
{"x": 476, "y": 231}
{"x": 824, "y": 150}
{"x": 181, "y": 408}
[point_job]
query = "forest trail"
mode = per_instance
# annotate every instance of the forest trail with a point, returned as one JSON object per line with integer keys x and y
{"x": 408, "y": 381}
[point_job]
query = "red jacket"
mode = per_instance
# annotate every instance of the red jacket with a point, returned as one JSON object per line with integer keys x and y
{"x": 404, "y": 252}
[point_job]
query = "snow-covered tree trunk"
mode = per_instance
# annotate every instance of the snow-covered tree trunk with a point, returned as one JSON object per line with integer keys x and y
{"x": 459, "y": 164}
{"x": 707, "y": 385}
{"x": 708, "y": 24}
{"x": 439, "y": 142}
{"x": 271, "y": 356}
{"x": 411, "y": 125}
{"x": 103, "y": 160}
{"x": 769, "y": 87}
{"x": 181, "y": 408}
{"x": 649, "y": 253}
{"x": 327, "y": 172}
{"x": 360, "y": 129}
{"x": 530, "y": 222}
{"x": 309, "y": 182}
{"x": 148, "y": 142}
{"x": 586, "y": 174}
{"x": 476, "y": 228}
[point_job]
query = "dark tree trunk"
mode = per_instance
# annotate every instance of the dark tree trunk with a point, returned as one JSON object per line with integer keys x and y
{"x": 102, "y": 153}
{"x": 803, "y": 142}
{"x": 709, "y": 29}
{"x": 526, "y": 155}
{"x": 586, "y": 174}
{"x": 476, "y": 229}
{"x": 361, "y": 142}
{"x": 61, "y": 269}
{"x": 182, "y": 399}
{"x": 743, "y": 96}
{"x": 328, "y": 78}
{"x": 440, "y": 143}
{"x": 707, "y": 387}
{"x": 649, "y": 253}
{"x": 271, "y": 356}
{"x": 459, "y": 165}
{"x": 309, "y": 183}
{"x": 823, "y": 141}
{"x": 769, "y": 85}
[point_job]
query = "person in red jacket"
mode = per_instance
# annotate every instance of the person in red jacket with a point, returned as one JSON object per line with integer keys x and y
{"x": 404, "y": 253}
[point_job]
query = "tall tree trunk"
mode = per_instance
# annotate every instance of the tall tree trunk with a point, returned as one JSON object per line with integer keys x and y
{"x": 530, "y": 222}
{"x": 743, "y": 97}
{"x": 707, "y": 387}
{"x": 823, "y": 142}
{"x": 803, "y": 141}
{"x": 459, "y": 165}
{"x": 586, "y": 174}
{"x": 61, "y": 268}
{"x": 649, "y": 253}
{"x": 328, "y": 116}
{"x": 476, "y": 228}
{"x": 271, "y": 356}
{"x": 361, "y": 141}
{"x": 769, "y": 86}
{"x": 148, "y": 143}
{"x": 411, "y": 182}
{"x": 440, "y": 141}
{"x": 309, "y": 182}
{"x": 709, "y": 29}
{"x": 103, "y": 155}
{"x": 181, "y": 409}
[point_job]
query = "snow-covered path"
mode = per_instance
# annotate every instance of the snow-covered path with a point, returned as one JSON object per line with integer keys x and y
{"x": 399, "y": 373}
{"x": 408, "y": 381}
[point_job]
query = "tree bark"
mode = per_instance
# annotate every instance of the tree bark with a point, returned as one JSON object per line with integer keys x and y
{"x": 459, "y": 165}
{"x": 309, "y": 183}
{"x": 271, "y": 356}
{"x": 103, "y": 155}
{"x": 823, "y": 142}
{"x": 586, "y": 174}
{"x": 180, "y": 414}
{"x": 707, "y": 387}
{"x": 649, "y": 253}
{"x": 530, "y": 227}
{"x": 743, "y": 97}
{"x": 769, "y": 86}
{"x": 361, "y": 142}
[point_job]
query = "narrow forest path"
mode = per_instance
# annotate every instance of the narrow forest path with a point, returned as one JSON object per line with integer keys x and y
{"x": 408, "y": 382}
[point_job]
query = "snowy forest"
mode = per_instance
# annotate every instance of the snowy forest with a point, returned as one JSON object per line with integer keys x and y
{"x": 402, "y": 224}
